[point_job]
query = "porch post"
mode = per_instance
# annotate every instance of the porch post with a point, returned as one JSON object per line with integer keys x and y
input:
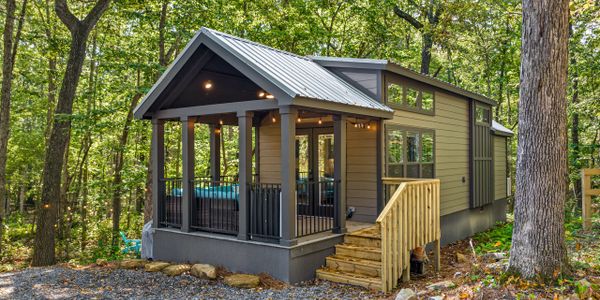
{"x": 288, "y": 179}
{"x": 187, "y": 146}
{"x": 245, "y": 170}
{"x": 157, "y": 169}
{"x": 215, "y": 151}
{"x": 380, "y": 166}
{"x": 339, "y": 170}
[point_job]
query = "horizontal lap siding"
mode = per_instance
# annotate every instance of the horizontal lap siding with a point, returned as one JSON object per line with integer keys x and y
{"x": 361, "y": 172}
{"x": 270, "y": 152}
{"x": 451, "y": 125}
{"x": 499, "y": 167}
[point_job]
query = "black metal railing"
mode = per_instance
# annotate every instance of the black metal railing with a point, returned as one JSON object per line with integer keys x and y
{"x": 215, "y": 206}
{"x": 264, "y": 208}
{"x": 315, "y": 206}
{"x": 170, "y": 203}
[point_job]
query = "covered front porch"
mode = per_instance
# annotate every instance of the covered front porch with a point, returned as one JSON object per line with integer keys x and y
{"x": 289, "y": 183}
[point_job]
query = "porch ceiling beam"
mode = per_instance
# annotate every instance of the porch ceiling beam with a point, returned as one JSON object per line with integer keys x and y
{"x": 212, "y": 109}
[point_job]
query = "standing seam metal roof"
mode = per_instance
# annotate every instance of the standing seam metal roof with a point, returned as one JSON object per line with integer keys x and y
{"x": 295, "y": 73}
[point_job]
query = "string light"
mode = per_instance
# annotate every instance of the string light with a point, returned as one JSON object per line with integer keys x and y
{"x": 369, "y": 126}
{"x": 220, "y": 122}
{"x": 299, "y": 120}
{"x": 273, "y": 119}
{"x": 320, "y": 121}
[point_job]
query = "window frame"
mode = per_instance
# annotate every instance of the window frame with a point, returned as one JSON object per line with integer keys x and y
{"x": 405, "y": 163}
{"x": 405, "y": 85}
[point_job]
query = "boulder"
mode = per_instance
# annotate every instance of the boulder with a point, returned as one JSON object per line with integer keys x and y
{"x": 493, "y": 257}
{"x": 204, "y": 271}
{"x": 461, "y": 258}
{"x": 497, "y": 267}
{"x": 406, "y": 294}
{"x": 441, "y": 285}
{"x": 156, "y": 266}
{"x": 175, "y": 270}
{"x": 132, "y": 263}
{"x": 101, "y": 262}
{"x": 242, "y": 280}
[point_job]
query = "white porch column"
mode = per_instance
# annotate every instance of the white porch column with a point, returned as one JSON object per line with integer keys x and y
{"x": 187, "y": 146}
{"x": 245, "y": 170}
{"x": 288, "y": 175}
{"x": 157, "y": 169}
{"x": 339, "y": 170}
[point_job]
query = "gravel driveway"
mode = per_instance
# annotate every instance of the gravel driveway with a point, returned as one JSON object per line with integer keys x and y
{"x": 104, "y": 283}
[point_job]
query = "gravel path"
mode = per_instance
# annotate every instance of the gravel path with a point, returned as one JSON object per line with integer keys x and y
{"x": 104, "y": 283}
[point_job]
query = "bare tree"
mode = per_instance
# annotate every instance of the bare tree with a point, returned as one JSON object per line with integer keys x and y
{"x": 44, "y": 245}
{"x": 9, "y": 55}
{"x": 538, "y": 245}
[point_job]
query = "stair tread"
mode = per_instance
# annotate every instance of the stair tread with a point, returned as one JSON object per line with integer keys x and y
{"x": 357, "y": 247}
{"x": 354, "y": 260}
{"x": 349, "y": 278}
{"x": 370, "y": 232}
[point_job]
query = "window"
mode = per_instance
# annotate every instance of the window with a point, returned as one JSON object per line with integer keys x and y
{"x": 409, "y": 152}
{"x": 482, "y": 114}
{"x": 410, "y": 97}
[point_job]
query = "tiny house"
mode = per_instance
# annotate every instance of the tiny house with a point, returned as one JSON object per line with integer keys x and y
{"x": 320, "y": 139}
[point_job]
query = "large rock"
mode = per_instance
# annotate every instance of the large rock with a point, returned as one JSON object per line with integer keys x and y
{"x": 156, "y": 266}
{"x": 101, "y": 262}
{"x": 441, "y": 285}
{"x": 204, "y": 271}
{"x": 497, "y": 267}
{"x": 175, "y": 270}
{"x": 493, "y": 257}
{"x": 132, "y": 263}
{"x": 242, "y": 280}
{"x": 406, "y": 294}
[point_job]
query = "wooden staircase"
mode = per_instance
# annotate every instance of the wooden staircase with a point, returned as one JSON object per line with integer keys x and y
{"x": 357, "y": 261}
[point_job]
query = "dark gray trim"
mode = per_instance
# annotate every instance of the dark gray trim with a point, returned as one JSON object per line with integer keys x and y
{"x": 245, "y": 171}
{"x": 288, "y": 116}
{"x": 408, "y": 83}
{"x": 380, "y": 165}
{"x": 158, "y": 166}
{"x": 215, "y": 151}
{"x": 289, "y": 264}
{"x": 397, "y": 69}
{"x": 339, "y": 145}
{"x": 405, "y": 163}
{"x": 343, "y": 108}
{"x": 212, "y": 109}
{"x": 187, "y": 147}
{"x": 465, "y": 223}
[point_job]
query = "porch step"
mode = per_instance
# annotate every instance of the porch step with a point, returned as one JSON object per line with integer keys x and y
{"x": 354, "y": 265}
{"x": 357, "y": 261}
{"x": 357, "y": 251}
{"x": 373, "y": 283}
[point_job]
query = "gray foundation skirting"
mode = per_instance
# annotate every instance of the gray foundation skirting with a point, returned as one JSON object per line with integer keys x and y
{"x": 465, "y": 223}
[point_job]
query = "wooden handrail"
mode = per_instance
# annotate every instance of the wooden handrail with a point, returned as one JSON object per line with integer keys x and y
{"x": 410, "y": 219}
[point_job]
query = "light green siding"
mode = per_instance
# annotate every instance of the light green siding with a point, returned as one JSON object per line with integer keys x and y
{"x": 499, "y": 167}
{"x": 451, "y": 125}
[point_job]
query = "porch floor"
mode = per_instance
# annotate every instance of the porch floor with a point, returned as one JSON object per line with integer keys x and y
{"x": 351, "y": 226}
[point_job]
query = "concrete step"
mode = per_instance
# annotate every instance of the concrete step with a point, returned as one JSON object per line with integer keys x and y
{"x": 356, "y": 251}
{"x": 373, "y": 283}
{"x": 354, "y": 265}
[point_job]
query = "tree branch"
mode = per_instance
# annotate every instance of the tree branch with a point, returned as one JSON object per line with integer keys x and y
{"x": 19, "y": 30}
{"x": 414, "y": 22}
{"x": 64, "y": 14}
{"x": 92, "y": 18}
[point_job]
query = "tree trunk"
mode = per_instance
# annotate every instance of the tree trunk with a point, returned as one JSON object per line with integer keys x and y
{"x": 5, "y": 94}
{"x": 44, "y": 244}
{"x": 538, "y": 245}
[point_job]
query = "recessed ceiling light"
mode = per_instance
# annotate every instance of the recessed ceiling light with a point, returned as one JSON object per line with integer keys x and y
{"x": 208, "y": 85}
{"x": 261, "y": 94}
{"x": 269, "y": 96}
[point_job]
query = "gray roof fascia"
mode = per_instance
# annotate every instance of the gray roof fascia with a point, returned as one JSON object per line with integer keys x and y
{"x": 340, "y": 107}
